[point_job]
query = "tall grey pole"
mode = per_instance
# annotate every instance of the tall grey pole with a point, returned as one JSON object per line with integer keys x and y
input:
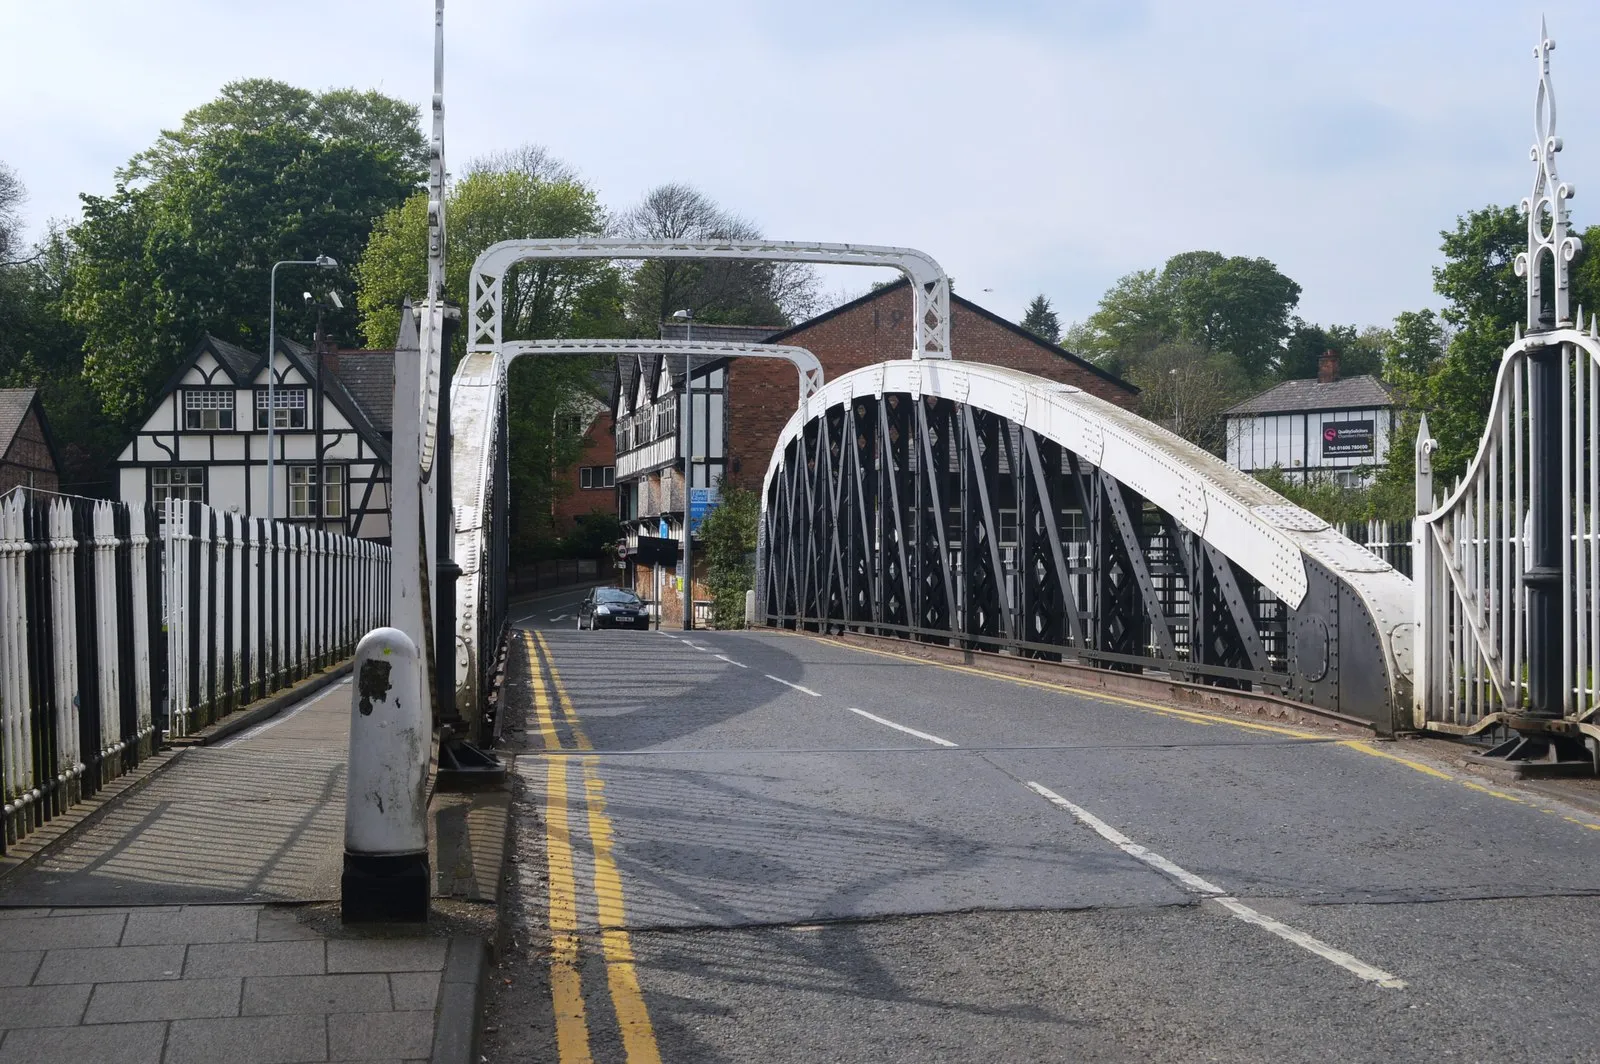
{"x": 688, "y": 480}
{"x": 327, "y": 263}
{"x": 272, "y": 376}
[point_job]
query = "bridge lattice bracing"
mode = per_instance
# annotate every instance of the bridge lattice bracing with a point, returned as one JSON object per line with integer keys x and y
{"x": 980, "y": 506}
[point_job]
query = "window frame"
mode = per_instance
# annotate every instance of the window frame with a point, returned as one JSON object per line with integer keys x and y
{"x": 201, "y": 484}
{"x": 335, "y": 474}
{"x": 231, "y": 409}
{"x": 288, "y": 391}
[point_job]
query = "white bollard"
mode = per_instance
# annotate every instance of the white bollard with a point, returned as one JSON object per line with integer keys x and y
{"x": 386, "y": 871}
{"x": 750, "y": 609}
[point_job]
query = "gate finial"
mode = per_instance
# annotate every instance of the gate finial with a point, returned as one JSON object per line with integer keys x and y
{"x": 1547, "y": 207}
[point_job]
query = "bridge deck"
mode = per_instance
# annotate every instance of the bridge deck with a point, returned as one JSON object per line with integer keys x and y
{"x": 259, "y": 817}
{"x": 805, "y": 882}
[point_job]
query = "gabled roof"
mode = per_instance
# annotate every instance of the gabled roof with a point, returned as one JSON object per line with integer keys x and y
{"x": 369, "y": 377}
{"x": 964, "y": 304}
{"x": 14, "y": 406}
{"x": 627, "y": 378}
{"x": 305, "y": 361}
{"x": 1303, "y": 396}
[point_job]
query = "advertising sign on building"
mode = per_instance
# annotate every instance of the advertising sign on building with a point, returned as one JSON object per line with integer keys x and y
{"x": 701, "y": 502}
{"x": 1347, "y": 439}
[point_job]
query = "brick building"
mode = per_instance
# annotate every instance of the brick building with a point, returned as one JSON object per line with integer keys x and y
{"x": 741, "y": 405}
{"x": 27, "y": 450}
{"x": 592, "y": 479}
{"x": 877, "y": 328}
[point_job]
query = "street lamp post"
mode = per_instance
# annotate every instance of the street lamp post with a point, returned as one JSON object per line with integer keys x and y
{"x": 327, "y": 263}
{"x": 687, "y": 317}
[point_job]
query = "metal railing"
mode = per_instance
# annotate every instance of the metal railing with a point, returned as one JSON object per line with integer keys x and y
{"x": 120, "y": 624}
{"x": 253, "y": 606}
{"x": 1473, "y": 552}
{"x": 81, "y": 666}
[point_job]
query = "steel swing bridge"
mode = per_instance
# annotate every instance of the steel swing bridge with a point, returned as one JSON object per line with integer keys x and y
{"x": 978, "y": 507}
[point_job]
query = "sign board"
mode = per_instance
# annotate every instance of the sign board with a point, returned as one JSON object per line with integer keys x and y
{"x": 1347, "y": 439}
{"x": 701, "y": 502}
{"x": 654, "y": 550}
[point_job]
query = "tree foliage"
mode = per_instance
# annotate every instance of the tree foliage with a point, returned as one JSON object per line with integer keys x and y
{"x": 728, "y": 538}
{"x": 552, "y": 400}
{"x": 186, "y": 241}
{"x": 1041, "y": 320}
{"x": 724, "y": 291}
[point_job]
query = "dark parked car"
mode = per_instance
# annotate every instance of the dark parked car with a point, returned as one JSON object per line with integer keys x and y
{"x": 612, "y": 607}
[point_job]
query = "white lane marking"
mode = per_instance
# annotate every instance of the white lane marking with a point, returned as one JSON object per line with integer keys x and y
{"x": 1239, "y": 909}
{"x": 697, "y": 646}
{"x": 1127, "y": 845}
{"x": 730, "y": 661}
{"x": 268, "y": 725}
{"x": 558, "y": 617}
{"x": 797, "y": 687}
{"x": 901, "y": 727}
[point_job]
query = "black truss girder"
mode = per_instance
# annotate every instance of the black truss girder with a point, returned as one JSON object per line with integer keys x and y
{"x": 925, "y": 518}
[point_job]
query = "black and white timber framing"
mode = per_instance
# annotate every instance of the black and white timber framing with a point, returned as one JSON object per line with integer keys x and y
{"x": 350, "y": 426}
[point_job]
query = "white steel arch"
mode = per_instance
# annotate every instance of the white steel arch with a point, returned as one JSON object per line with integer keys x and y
{"x": 1258, "y": 529}
{"x": 477, "y": 401}
{"x": 930, "y": 288}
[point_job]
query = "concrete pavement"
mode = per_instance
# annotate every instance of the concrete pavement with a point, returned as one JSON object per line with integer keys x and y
{"x": 764, "y": 847}
{"x": 145, "y": 937}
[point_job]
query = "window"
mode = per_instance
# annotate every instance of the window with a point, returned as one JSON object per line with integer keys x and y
{"x": 208, "y": 409}
{"x": 290, "y": 404}
{"x": 304, "y": 496}
{"x": 183, "y": 483}
{"x": 598, "y": 476}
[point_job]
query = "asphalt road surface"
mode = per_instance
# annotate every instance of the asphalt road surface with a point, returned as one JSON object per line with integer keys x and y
{"x": 763, "y": 847}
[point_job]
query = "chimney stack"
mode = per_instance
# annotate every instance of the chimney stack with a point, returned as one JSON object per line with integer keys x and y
{"x": 1328, "y": 367}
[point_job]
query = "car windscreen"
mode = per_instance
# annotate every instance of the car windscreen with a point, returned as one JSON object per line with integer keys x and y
{"x": 616, "y": 595}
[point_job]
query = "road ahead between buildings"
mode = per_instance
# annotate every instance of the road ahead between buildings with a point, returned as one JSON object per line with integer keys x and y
{"x": 764, "y": 847}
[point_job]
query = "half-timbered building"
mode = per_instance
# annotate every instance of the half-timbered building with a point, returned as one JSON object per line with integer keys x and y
{"x": 206, "y": 436}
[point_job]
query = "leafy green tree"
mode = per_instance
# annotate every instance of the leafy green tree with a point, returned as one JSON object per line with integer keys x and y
{"x": 1359, "y": 352}
{"x": 729, "y": 292}
{"x": 186, "y": 241}
{"x": 1041, "y": 320}
{"x": 1235, "y": 306}
{"x": 551, "y": 400}
{"x": 728, "y": 538}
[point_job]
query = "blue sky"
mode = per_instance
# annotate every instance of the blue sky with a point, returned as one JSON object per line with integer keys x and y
{"x": 1030, "y": 147}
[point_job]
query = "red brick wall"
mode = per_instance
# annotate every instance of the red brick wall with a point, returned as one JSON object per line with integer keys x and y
{"x": 600, "y": 449}
{"x": 28, "y": 453}
{"x": 762, "y": 393}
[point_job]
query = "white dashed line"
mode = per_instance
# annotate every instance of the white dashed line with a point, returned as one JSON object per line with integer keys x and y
{"x": 797, "y": 687}
{"x": 901, "y": 727}
{"x": 730, "y": 661}
{"x": 1239, "y": 909}
{"x": 558, "y": 617}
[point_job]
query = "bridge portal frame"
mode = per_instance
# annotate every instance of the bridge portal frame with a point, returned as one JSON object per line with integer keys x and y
{"x": 477, "y": 407}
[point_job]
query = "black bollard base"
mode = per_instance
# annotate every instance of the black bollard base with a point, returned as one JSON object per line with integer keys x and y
{"x": 385, "y": 888}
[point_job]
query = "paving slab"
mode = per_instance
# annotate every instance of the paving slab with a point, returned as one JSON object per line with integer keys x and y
{"x": 164, "y": 999}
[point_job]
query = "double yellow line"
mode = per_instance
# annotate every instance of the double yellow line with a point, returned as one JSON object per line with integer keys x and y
{"x": 566, "y": 980}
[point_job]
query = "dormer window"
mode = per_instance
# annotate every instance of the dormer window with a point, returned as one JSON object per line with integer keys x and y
{"x": 208, "y": 409}
{"x": 290, "y": 407}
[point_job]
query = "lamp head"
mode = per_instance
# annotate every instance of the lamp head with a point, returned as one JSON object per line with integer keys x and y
{"x": 327, "y": 262}
{"x": 682, "y": 315}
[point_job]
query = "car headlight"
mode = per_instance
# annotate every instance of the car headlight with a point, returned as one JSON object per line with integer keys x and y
{"x": 604, "y": 611}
